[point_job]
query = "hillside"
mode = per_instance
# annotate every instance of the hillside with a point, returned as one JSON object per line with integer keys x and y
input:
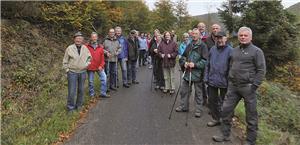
{"x": 294, "y": 9}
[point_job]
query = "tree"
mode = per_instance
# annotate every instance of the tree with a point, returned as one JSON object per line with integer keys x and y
{"x": 164, "y": 16}
{"x": 181, "y": 13}
{"x": 274, "y": 31}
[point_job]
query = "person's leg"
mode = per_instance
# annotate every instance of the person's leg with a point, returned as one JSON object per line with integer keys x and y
{"x": 113, "y": 74}
{"x": 184, "y": 97}
{"x": 123, "y": 65}
{"x": 134, "y": 70}
{"x": 103, "y": 79}
{"x": 172, "y": 77}
{"x": 198, "y": 97}
{"x": 167, "y": 78}
{"x": 222, "y": 94}
{"x": 140, "y": 57}
{"x": 91, "y": 83}
{"x": 81, "y": 80}
{"x": 249, "y": 96}
{"x": 144, "y": 57}
{"x": 107, "y": 72}
{"x": 72, "y": 84}
{"x": 213, "y": 102}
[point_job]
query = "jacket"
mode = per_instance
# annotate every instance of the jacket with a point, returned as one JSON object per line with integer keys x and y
{"x": 195, "y": 52}
{"x": 182, "y": 47}
{"x": 247, "y": 65}
{"x": 112, "y": 46}
{"x": 133, "y": 48}
{"x": 217, "y": 67}
{"x": 74, "y": 62}
{"x": 168, "y": 48}
{"x": 124, "y": 47}
{"x": 98, "y": 57}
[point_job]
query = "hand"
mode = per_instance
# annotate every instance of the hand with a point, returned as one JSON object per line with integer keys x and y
{"x": 125, "y": 59}
{"x": 155, "y": 50}
{"x": 169, "y": 55}
{"x": 100, "y": 68}
{"x": 191, "y": 65}
{"x": 186, "y": 64}
{"x": 162, "y": 55}
{"x": 108, "y": 54}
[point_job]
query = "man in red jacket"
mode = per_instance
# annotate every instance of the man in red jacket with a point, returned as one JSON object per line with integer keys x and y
{"x": 97, "y": 65}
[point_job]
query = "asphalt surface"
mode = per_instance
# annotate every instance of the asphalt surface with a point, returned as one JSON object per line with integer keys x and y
{"x": 138, "y": 115}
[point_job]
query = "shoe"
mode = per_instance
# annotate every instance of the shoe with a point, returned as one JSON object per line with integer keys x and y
{"x": 165, "y": 91}
{"x": 172, "y": 92}
{"x": 92, "y": 96}
{"x": 112, "y": 88}
{"x": 150, "y": 67}
{"x": 162, "y": 88}
{"x": 220, "y": 138}
{"x": 104, "y": 96}
{"x": 135, "y": 82}
{"x": 213, "y": 123}
{"x": 198, "y": 114}
{"x": 125, "y": 85}
{"x": 128, "y": 84}
{"x": 180, "y": 109}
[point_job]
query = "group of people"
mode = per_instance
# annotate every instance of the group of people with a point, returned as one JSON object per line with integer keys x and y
{"x": 221, "y": 75}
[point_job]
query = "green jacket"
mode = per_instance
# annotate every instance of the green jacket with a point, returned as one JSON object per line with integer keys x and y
{"x": 197, "y": 53}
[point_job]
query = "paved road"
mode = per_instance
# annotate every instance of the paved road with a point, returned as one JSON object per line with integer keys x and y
{"x": 140, "y": 116}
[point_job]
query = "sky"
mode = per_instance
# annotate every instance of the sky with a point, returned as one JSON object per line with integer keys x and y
{"x": 199, "y": 7}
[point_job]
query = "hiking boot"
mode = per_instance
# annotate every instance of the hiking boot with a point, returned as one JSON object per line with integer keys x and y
{"x": 198, "y": 114}
{"x": 135, "y": 82}
{"x": 165, "y": 91}
{"x": 104, "y": 96}
{"x": 172, "y": 92}
{"x": 156, "y": 87}
{"x": 220, "y": 138}
{"x": 213, "y": 123}
{"x": 180, "y": 109}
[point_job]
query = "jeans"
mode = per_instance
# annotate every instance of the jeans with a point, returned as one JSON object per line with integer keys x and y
{"x": 131, "y": 75}
{"x": 123, "y": 65}
{"x": 102, "y": 78}
{"x": 75, "y": 90}
{"x": 110, "y": 69}
{"x": 142, "y": 59}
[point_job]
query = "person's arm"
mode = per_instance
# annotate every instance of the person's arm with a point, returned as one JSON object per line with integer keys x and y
{"x": 102, "y": 62}
{"x": 204, "y": 51}
{"x": 66, "y": 60}
{"x": 175, "y": 51}
{"x": 207, "y": 68}
{"x": 260, "y": 65}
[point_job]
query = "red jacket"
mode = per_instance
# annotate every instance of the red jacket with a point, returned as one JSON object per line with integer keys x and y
{"x": 97, "y": 57}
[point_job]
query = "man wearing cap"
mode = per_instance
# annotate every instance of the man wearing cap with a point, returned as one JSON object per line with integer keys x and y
{"x": 76, "y": 60}
{"x": 96, "y": 66}
{"x": 246, "y": 73}
{"x": 133, "y": 48}
{"x": 216, "y": 72}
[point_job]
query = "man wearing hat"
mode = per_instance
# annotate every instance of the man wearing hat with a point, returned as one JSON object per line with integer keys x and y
{"x": 133, "y": 48}
{"x": 216, "y": 72}
{"x": 76, "y": 60}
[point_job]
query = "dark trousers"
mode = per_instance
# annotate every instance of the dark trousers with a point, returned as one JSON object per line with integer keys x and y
{"x": 233, "y": 96}
{"x": 158, "y": 72}
{"x": 215, "y": 101}
{"x": 110, "y": 70}
{"x": 142, "y": 58}
{"x": 131, "y": 68}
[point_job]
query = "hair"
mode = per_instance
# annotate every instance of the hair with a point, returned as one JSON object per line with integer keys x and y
{"x": 166, "y": 33}
{"x": 245, "y": 29}
{"x": 118, "y": 28}
{"x": 94, "y": 33}
{"x": 196, "y": 29}
{"x": 111, "y": 29}
{"x": 216, "y": 25}
{"x": 201, "y": 23}
{"x": 185, "y": 35}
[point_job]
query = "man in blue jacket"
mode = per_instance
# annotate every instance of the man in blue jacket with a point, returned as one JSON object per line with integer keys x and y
{"x": 123, "y": 56}
{"x": 216, "y": 72}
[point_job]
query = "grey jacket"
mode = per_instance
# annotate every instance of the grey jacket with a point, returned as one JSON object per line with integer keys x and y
{"x": 112, "y": 46}
{"x": 247, "y": 65}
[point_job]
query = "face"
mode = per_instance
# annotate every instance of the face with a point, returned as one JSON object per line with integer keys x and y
{"x": 111, "y": 33}
{"x": 94, "y": 37}
{"x": 221, "y": 41}
{"x": 168, "y": 36}
{"x": 185, "y": 38}
{"x": 244, "y": 37}
{"x": 196, "y": 35}
{"x": 78, "y": 40}
{"x": 215, "y": 29}
{"x": 201, "y": 27}
{"x": 118, "y": 32}
{"x": 142, "y": 34}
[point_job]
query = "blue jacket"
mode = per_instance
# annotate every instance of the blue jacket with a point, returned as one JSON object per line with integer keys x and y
{"x": 143, "y": 44}
{"x": 124, "y": 47}
{"x": 182, "y": 48}
{"x": 217, "y": 67}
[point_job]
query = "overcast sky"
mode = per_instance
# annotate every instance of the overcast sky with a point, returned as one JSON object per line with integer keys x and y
{"x": 199, "y": 7}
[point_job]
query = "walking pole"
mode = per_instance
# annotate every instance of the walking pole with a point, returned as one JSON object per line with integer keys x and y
{"x": 176, "y": 95}
{"x": 189, "y": 93}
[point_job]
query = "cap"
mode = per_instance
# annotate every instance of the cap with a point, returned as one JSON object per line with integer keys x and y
{"x": 78, "y": 34}
{"x": 132, "y": 31}
{"x": 221, "y": 34}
